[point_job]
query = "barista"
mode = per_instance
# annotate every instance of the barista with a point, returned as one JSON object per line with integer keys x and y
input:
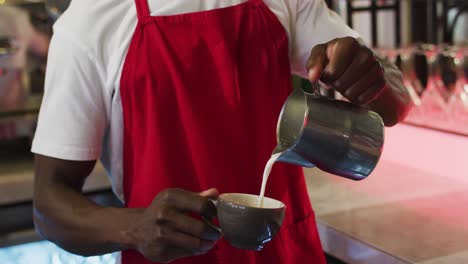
{"x": 179, "y": 96}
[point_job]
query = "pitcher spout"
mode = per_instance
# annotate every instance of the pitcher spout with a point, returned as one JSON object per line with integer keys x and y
{"x": 278, "y": 149}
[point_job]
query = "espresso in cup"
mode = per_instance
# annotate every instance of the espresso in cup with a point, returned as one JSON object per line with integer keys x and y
{"x": 244, "y": 224}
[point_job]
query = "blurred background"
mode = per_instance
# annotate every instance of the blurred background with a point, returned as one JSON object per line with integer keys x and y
{"x": 413, "y": 209}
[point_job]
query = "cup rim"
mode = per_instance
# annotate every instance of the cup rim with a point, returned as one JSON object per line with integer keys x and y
{"x": 281, "y": 207}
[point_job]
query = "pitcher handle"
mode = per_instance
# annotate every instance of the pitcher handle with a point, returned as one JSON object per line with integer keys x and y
{"x": 318, "y": 84}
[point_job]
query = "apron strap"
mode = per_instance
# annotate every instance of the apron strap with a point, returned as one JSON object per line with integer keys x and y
{"x": 142, "y": 8}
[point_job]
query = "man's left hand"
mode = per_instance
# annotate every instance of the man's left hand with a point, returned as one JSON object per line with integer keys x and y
{"x": 349, "y": 67}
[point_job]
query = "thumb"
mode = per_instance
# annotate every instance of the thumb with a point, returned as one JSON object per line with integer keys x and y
{"x": 213, "y": 192}
{"x": 317, "y": 62}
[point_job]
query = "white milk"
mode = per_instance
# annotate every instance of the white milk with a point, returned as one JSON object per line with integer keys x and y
{"x": 266, "y": 174}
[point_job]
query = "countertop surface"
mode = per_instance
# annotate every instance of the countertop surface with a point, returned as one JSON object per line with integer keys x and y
{"x": 412, "y": 209}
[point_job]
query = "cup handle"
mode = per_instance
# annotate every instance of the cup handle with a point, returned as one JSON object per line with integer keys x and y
{"x": 208, "y": 221}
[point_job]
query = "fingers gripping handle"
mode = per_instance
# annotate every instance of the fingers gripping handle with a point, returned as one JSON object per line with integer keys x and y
{"x": 209, "y": 221}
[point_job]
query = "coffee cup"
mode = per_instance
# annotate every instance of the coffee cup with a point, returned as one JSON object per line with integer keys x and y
{"x": 244, "y": 224}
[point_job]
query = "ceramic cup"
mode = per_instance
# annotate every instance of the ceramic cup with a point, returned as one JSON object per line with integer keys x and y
{"x": 245, "y": 225}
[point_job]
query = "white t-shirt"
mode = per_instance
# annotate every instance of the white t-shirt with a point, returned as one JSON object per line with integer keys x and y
{"x": 81, "y": 115}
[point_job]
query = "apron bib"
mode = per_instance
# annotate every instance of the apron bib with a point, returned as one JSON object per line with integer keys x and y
{"x": 201, "y": 95}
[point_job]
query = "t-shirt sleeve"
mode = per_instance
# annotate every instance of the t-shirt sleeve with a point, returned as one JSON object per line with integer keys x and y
{"x": 74, "y": 111}
{"x": 314, "y": 23}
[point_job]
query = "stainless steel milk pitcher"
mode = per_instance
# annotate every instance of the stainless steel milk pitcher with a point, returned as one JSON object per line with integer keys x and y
{"x": 336, "y": 136}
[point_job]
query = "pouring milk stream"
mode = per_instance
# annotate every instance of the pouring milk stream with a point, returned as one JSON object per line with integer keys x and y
{"x": 266, "y": 174}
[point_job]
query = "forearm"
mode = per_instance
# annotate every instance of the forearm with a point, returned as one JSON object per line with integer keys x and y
{"x": 66, "y": 217}
{"x": 80, "y": 226}
{"x": 394, "y": 102}
{"x": 162, "y": 232}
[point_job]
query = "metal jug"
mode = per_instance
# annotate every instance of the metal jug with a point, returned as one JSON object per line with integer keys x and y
{"x": 336, "y": 136}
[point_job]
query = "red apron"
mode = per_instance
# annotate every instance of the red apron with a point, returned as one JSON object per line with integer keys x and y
{"x": 201, "y": 94}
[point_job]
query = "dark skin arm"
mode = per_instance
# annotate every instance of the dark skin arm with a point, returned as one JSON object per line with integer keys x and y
{"x": 163, "y": 232}
{"x": 351, "y": 68}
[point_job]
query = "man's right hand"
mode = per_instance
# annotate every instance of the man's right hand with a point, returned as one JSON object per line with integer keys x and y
{"x": 162, "y": 232}
{"x": 165, "y": 232}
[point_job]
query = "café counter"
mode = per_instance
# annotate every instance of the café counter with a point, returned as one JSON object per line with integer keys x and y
{"x": 412, "y": 209}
